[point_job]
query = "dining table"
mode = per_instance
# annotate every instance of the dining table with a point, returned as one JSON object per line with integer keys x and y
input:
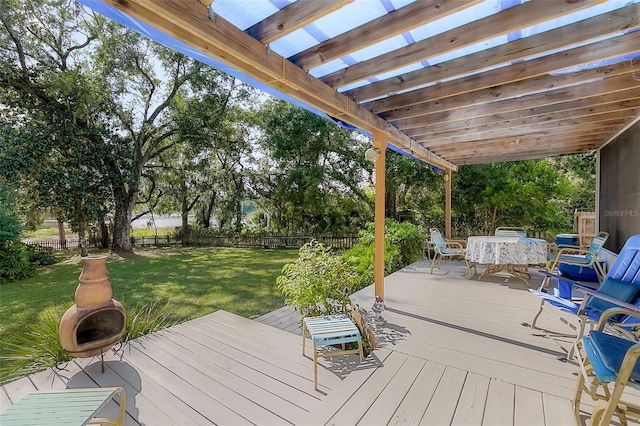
{"x": 512, "y": 254}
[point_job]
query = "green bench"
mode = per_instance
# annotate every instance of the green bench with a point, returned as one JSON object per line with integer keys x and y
{"x": 64, "y": 407}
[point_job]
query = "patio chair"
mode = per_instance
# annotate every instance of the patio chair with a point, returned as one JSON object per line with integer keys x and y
{"x": 447, "y": 248}
{"x": 620, "y": 286}
{"x": 583, "y": 258}
{"x": 606, "y": 360}
{"x": 510, "y": 231}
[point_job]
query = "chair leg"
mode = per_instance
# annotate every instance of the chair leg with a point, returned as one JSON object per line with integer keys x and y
{"x": 304, "y": 337}
{"x": 434, "y": 260}
{"x": 315, "y": 368}
{"x": 578, "y": 394}
{"x": 535, "y": 318}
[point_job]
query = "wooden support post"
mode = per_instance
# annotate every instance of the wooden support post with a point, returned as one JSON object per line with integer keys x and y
{"x": 379, "y": 142}
{"x": 447, "y": 204}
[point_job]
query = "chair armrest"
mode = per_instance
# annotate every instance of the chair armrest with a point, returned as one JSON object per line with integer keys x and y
{"x": 610, "y": 299}
{"x": 463, "y": 243}
{"x": 574, "y": 250}
{"x": 454, "y": 243}
{"x": 616, "y": 311}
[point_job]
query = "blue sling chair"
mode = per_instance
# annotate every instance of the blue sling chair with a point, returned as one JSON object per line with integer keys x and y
{"x": 620, "y": 286}
{"x": 608, "y": 366}
{"x": 583, "y": 258}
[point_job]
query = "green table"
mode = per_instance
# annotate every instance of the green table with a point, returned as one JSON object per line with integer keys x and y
{"x": 64, "y": 407}
{"x": 330, "y": 330}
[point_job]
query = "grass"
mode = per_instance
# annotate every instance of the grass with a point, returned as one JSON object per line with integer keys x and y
{"x": 192, "y": 281}
{"x": 52, "y": 233}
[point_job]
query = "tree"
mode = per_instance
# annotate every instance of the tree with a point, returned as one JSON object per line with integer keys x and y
{"x": 88, "y": 82}
{"x": 52, "y": 141}
{"x": 310, "y": 175}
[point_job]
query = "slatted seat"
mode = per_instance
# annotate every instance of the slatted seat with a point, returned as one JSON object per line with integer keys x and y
{"x": 64, "y": 407}
{"x": 330, "y": 330}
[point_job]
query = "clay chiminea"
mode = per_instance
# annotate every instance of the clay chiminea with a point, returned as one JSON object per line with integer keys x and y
{"x": 96, "y": 321}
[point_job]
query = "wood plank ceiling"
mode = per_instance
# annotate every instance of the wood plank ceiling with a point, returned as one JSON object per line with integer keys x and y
{"x": 569, "y": 89}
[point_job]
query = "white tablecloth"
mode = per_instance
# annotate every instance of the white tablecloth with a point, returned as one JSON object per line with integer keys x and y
{"x": 506, "y": 250}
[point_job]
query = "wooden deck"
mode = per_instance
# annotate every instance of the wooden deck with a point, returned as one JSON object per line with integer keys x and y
{"x": 452, "y": 351}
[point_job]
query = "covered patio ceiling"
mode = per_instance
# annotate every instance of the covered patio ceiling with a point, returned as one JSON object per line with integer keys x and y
{"x": 449, "y": 82}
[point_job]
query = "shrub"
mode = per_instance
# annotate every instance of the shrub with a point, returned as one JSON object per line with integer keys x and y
{"x": 10, "y": 227}
{"x": 318, "y": 282}
{"x": 403, "y": 246}
{"x": 146, "y": 319}
{"x": 40, "y": 347}
{"x": 41, "y": 256}
{"x": 14, "y": 262}
{"x": 37, "y": 350}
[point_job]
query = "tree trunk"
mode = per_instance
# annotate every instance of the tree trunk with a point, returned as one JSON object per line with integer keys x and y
{"x": 390, "y": 205}
{"x": 104, "y": 235}
{"x": 209, "y": 211}
{"x": 62, "y": 235}
{"x": 82, "y": 238}
{"x": 124, "y": 202}
{"x": 493, "y": 220}
{"x": 184, "y": 227}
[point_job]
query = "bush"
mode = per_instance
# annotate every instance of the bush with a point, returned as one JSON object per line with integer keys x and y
{"x": 10, "y": 227}
{"x": 37, "y": 350}
{"x": 403, "y": 246}
{"x": 14, "y": 262}
{"x": 319, "y": 282}
{"x": 41, "y": 256}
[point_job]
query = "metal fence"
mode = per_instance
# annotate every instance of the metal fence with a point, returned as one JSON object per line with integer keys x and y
{"x": 265, "y": 240}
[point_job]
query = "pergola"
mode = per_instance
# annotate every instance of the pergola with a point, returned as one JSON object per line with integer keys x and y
{"x": 448, "y": 82}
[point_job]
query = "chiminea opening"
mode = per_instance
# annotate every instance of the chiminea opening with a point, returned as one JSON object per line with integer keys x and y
{"x": 100, "y": 325}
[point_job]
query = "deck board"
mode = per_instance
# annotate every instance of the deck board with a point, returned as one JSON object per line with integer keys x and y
{"x": 529, "y": 409}
{"x": 390, "y": 398}
{"x": 500, "y": 404}
{"x": 356, "y": 406}
{"x": 451, "y": 351}
{"x": 443, "y": 405}
{"x": 470, "y": 409}
{"x": 415, "y": 403}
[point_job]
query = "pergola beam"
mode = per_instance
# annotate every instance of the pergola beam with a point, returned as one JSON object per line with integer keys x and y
{"x": 502, "y": 23}
{"x": 188, "y": 21}
{"x": 530, "y": 76}
{"x": 293, "y": 17}
{"x": 516, "y": 119}
{"x": 549, "y": 129}
{"x": 392, "y": 24}
{"x": 588, "y": 95}
{"x": 513, "y": 102}
{"x": 617, "y": 21}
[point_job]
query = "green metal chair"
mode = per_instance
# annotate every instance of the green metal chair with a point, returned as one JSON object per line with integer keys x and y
{"x": 447, "y": 249}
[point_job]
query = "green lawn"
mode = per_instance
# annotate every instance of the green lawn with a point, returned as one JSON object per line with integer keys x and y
{"x": 194, "y": 281}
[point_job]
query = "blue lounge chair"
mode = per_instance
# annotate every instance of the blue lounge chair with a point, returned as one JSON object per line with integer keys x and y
{"x": 606, "y": 360}
{"x": 620, "y": 286}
